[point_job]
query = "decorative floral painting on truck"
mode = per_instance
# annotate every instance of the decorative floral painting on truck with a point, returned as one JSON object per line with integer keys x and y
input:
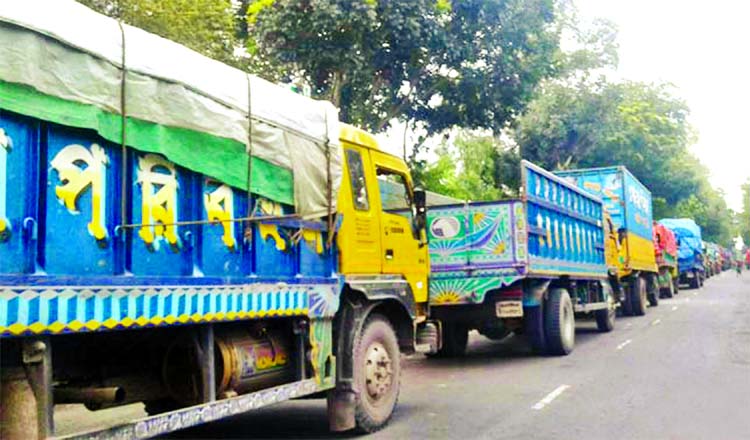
{"x": 478, "y": 237}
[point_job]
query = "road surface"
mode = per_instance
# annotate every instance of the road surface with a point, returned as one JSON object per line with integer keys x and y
{"x": 680, "y": 372}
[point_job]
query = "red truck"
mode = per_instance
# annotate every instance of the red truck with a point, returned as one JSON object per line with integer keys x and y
{"x": 665, "y": 249}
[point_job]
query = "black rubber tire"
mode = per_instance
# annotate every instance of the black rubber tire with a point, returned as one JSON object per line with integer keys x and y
{"x": 695, "y": 282}
{"x": 605, "y": 318}
{"x": 455, "y": 340}
{"x": 653, "y": 292}
{"x": 638, "y": 296}
{"x": 533, "y": 323}
{"x": 559, "y": 323}
{"x": 702, "y": 278}
{"x": 372, "y": 414}
{"x": 668, "y": 292}
{"x": 676, "y": 283}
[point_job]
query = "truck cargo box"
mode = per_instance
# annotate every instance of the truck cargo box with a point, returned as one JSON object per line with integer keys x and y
{"x": 554, "y": 230}
{"x": 628, "y": 202}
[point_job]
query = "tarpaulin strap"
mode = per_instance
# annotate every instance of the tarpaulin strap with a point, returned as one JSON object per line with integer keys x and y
{"x": 123, "y": 132}
{"x": 247, "y": 230}
{"x": 329, "y": 183}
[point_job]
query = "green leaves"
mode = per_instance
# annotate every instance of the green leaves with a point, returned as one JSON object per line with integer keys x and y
{"x": 642, "y": 126}
{"x": 442, "y": 64}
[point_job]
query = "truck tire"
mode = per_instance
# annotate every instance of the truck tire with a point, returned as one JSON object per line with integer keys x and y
{"x": 455, "y": 340}
{"x": 377, "y": 373}
{"x": 695, "y": 282}
{"x": 533, "y": 328}
{"x": 668, "y": 292}
{"x": 605, "y": 318}
{"x": 676, "y": 284}
{"x": 652, "y": 287}
{"x": 638, "y": 296}
{"x": 559, "y": 323}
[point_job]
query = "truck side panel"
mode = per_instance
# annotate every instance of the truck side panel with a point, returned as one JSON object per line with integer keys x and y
{"x": 629, "y": 204}
{"x": 566, "y": 230}
{"x": 74, "y": 268}
{"x": 475, "y": 248}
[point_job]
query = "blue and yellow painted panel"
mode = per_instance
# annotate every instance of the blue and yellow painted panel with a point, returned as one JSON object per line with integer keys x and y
{"x": 180, "y": 255}
{"x": 18, "y": 136}
{"x": 629, "y": 204}
{"x": 63, "y": 309}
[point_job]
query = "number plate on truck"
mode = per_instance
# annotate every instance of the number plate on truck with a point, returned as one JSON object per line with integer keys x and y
{"x": 509, "y": 309}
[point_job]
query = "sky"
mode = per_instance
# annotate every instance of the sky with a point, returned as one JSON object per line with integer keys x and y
{"x": 703, "y": 48}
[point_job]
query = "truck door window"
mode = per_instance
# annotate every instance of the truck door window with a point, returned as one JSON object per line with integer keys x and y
{"x": 395, "y": 196}
{"x": 357, "y": 177}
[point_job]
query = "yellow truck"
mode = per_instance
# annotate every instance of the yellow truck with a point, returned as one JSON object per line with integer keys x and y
{"x": 184, "y": 235}
{"x": 628, "y": 203}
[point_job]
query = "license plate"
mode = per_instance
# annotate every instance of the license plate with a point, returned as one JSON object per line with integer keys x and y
{"x": 509, "y": 309}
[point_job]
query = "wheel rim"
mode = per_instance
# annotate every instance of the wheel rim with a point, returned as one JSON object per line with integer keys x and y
{"x": 378, "y": 372}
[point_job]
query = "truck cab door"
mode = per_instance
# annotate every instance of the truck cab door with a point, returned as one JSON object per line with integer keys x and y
{"x": 359, "y": 237}
{"x": 402, "y": 245}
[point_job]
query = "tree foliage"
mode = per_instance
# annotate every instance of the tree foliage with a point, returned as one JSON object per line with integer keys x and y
{"x": 471, "y": 63}
{"x": 743, "y": 219}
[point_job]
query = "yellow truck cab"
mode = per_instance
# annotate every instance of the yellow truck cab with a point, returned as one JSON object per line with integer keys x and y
{"x": 383, "y": 260}
{"x": 379, "y": 241}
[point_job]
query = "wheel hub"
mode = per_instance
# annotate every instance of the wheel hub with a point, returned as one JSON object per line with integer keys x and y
{"x": 378, "y": 370}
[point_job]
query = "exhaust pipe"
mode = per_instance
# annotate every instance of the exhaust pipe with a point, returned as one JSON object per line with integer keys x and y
{"x": 90, "y": 396}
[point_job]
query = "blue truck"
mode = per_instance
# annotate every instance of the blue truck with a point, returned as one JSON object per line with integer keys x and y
{"x": 524, "y": 265}
{"x": 689, "y": 250}
{"x": 180, "y": 234}
{"x": 628, "y": 202}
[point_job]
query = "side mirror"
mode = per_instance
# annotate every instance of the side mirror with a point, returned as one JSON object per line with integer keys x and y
{"x": 622, "y": 234}
{"x": 420, "y": 209}
{"x": 420, "y": 200}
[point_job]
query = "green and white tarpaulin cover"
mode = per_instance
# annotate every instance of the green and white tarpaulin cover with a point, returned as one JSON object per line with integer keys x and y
{"x": 63, "y": 63}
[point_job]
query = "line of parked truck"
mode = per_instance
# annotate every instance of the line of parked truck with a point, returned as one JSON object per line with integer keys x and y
{"x": 178, "y": 233}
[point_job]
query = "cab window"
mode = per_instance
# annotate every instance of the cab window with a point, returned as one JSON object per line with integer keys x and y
{"x": 360, "y": 199}
{"x": 394, "y": 192}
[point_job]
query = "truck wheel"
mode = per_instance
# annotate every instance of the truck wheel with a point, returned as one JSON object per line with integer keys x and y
{"x": 695, "y": 282}
{"x": 638, "y": 296}
{"x": 652, "y": 292}
{"x": 676, "y": 284}
{"x": 668, "y": 292}
{"x": 605, "y": 318}
{"x": 455, "y": 340}
{"x": 377, "y": 374}
{"x": 559, "y": 323}
{"x": 533, "y": 327}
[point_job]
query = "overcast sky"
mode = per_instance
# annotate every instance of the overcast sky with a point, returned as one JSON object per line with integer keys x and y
{"x": 703, "y": 48}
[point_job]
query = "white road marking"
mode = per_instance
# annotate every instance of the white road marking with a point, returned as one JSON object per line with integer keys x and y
{"x": 674, "y": 308}
{"x": 550, "y": 397}
{"x": 656, "y": 322}
{"x": 621, "y": 346}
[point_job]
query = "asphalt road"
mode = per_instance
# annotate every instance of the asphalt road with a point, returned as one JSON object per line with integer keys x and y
{"x": 680, "y": 372}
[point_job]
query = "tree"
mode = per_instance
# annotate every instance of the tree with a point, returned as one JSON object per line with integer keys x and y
{"x": 644, "y": 127}
{"x": 206, "y": 26}
{"x": 466, "y": 169}
{"x": 473, "y": 63}
{"x": 743, "y": 219}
